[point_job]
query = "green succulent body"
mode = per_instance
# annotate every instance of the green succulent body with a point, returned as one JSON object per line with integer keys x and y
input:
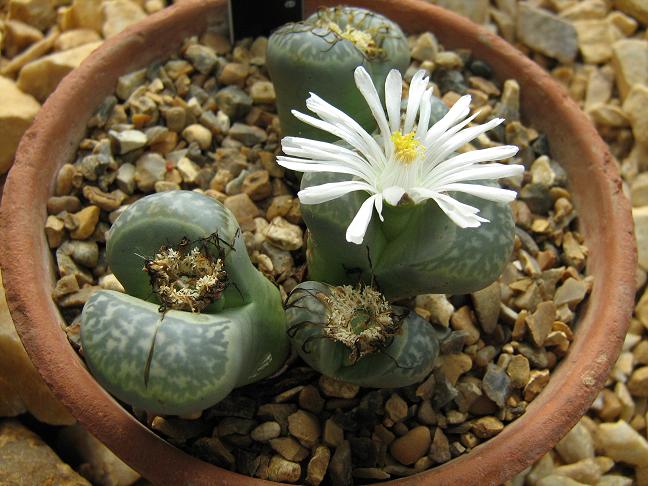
{"x": 416, "y": 250}
{"x": 309, "y": 57}
{"x": 180, "y": 362}
{"x": 406, "y": 359}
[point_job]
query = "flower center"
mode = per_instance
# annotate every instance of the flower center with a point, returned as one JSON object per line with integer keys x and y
{"x": 364, "y": 41}
{"x": 406, "y": 147}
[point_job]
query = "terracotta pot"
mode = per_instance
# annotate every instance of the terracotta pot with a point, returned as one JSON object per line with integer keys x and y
{"x": 594, "y": 180}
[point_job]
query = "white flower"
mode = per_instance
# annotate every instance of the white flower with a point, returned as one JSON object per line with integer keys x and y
{"x": 406, "y": 157}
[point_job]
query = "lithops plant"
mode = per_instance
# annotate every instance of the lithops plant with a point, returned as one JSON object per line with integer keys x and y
{"x": 320, "y": 54}
{"x": 353, "y": 334}
{"x": 197, "y": 318}
{"x": 442, "y": 222}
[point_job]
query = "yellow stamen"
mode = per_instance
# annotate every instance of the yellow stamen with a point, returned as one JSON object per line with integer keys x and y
{"x": 361, "y": 39}
{"x": 407, "y": 147}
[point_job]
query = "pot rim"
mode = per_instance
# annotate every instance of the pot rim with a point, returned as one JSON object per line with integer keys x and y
{"x": 551, "y": 415}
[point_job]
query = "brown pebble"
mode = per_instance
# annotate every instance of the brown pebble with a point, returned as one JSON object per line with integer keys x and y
{"x": 336, "y": 388}
{"x": 257, "y": 185}
{"x": 486, "y": 427}
{"x": 85, "y": 222}
{"x": 317, "y": 465}
{"x": 289, "y": 448}
{"x": 333, "y": 434}
{"x": 311, "y": 400}
{"x": 396, "y": 408}
{"x": 281, "y": 470}
{"x": 305, "y": 427}
{"x": 412, "y": 446}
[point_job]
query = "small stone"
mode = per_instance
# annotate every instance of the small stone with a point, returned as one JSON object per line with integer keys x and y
{"x": 248, "y": 135}
{"x": 519, "y": 371}
{"x": 333, "y": 434}
{"x": 630, "y": 63}
{"x": 243, "y": 208}
{"x": 234, "y": 102}
{"x": 486, "y": 427}
{"x": 572, "y": 292}
{"x": 538, "y": 379}
{"x": 599, "y": 87}
{"x": 188, "y": 170}
{"x": 439, "y": 307}
{"x": 576, "y": 445}
{"x": 585, "y": 471}
{"x": 595, "y": 39}
{"x": 119, "y": 14}
{"x": 541, "y": 322}
{"x": 202, "y": 57}
{"x": 281, "y": 470}
{"x": 126, "y": 178}
{"x": 317, "y": 466}
{"x": 84, "y": 222}
{"x": 448, "y": 60}
{"x": 55, "y": 231}
{"x": 305, "y": 427}
{"x": 17, "y": 111}
{"x": 640, "y": 217}
{"x": 412, "y": 446}
{"x": 622, "y": 443}
{"x": 263, "y": 92}
{"x": 496, "y": 384}
{"x": 284, "y": 235}
{"x": 638, "y": 383}
{"x": 339, "y": 469}
{"x": 546, "y": 33}
{"x": 257, "y": 185}
{"x": 311, "y": 400}
{"x": 608, "y": 115}
{"x": 234, "y": 73}
{"x": 440, "y": 449}
{"x": 149, "y": 169}
{"x": 475, "y": 10}
{"x": 128, "y": 83}
{"x": 266, "y": 431}
{"x": 39, "y": 78}
{"x": 487, "y": 306}
{"x": 636, "y": 8}
{"x": 37, "y": 13}
{"x": 26, "y": 459}
{"x": 462, "y": 320}
{"x": 127, "y": 140}
{"x": 336, "y": 388}
{"x": 634, "y": 107}
{"x": 396, "y": 408}
{"x": 108, "y": 201}
{"x": 289, "y": 449}
{"x": 19, "y": 35}
{"x": 75, "y": 38}
{"x": 454, "y": 365}
{"x": 555, "y": 480}
{"x": 199, "y": 134}
{"x": 425, "y": 48}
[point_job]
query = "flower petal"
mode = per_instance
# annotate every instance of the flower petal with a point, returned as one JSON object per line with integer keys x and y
{"x": 459, "y": 162}
{"x": 461, "y": 214}
{"x": 480, "y": 172}
{"x": 496, "y": 194}
{"x": 331, "y": 190}
{"x": 302, "y": 165}
{"x": 424, "y": 115}
{"x": 356, "y": 231}
{"x": 458, "y": 112}
{"x": 393, "y": 94}
{"x": 368, "y": 90}
{"x": 393, "y": 194}
{"x": 417, "y": 89}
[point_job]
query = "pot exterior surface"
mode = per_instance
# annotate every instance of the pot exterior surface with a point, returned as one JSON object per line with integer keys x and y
{"x": 594, "y": 181}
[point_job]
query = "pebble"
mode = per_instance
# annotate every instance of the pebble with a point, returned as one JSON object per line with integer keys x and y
{"x": 128, "y": 83}
{"x": 635, "y": 8}
{"x": 576, "y": 445}
{"x": 396, "y": 408}
{"x": 336, "y": 388}
{"x": 440, "y": 449}
{"x": 486, "y": 427}
{"x": 108, "y": 201}
{"x": 546, "y": 33}
{"x": 496, "y": 384}
{"x": 634, "y": 107}
{"x": 462, "y": 320}
{"x": 318, "y": 465}
{"x": 454, "y": 365}
{"x": 257, "y": 185}
{"x": 487, "y": 306}
{"x": 289, "y": 449}
{"x": 595, "y": 39}
{"x": 202, "y": 57}
{"x": 333, "y": 434}
{"x": 572, "y": 292}
{"x": 17, "y": 111}
{"x": 40, "y": 77}
{"x": 425, "y": 48}
{"x": 538, "y": 379}
{"x": 519, "y": 371}
{"x": 234, "y": 73}
{"x": 305, "y": 427}
{"x": 55, "y": 231}
{"x": 311, "y": 400}
{"x": 263, "y": 92}
{"x": 199, "y": 134}
{"x": 119, "y": 14}
{"x": 75, "y": 38}
{"x": 234, "y": 102}
{"x": 244, "y": 210}
{"x": 638, "y": 383}
{"x": 622, "y": 443}
{"x": 541, "y": 322}
{"x": 630, "y": 63}
{"x": 586, "y": 471}
{"x": 127, "y": 140}
{"x": 284, "y": 235}
{"x": 266, "y": 431}
{"x": 340, "y": 466}
{"x": 247, "y": 135}
{"x": 149, "y": 169}
{"x": 438, "y": 306}
{"x": 84, "y": 222}
{"x": 412, "y": 446}
{"x": 281, "y": 470}
{"x": 188, "y": 170}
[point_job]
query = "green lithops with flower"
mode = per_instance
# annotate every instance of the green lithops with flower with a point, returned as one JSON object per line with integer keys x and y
{"x": 197, "y": 319}
{"x": 442, "y": 224}
{"x": 320, "y": 54}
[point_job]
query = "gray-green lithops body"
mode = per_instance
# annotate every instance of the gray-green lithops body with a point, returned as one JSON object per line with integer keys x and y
{"x": 179, "y": 362}
{"x": 320, "y": 54}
